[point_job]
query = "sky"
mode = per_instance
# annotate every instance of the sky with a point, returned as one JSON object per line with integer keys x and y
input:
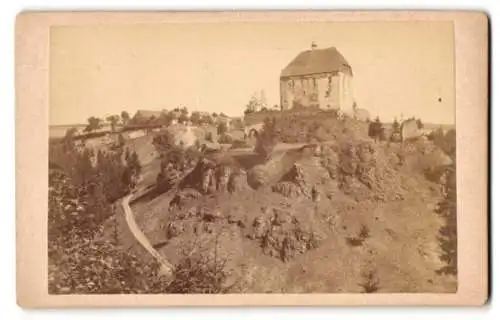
{"x": 400, "y": 68}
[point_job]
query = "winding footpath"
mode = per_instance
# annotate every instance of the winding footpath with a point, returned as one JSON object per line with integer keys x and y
{"x": 166, "y": 268}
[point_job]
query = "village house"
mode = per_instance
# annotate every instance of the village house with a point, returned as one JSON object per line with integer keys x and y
{"x": 317, "y": 78}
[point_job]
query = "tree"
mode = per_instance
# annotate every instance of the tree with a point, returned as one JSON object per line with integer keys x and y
{"x": 267, "y": 138}
{"x": 185, "y": 111}
{"x": 121, "y": 140}
{"x": 113, "y": 120}
{"x": 396, "y": 126}
{"x": 166, "y": 118}
{"x": 183, "y": 118}
{"x": 196, "y": 118}
{"x": 223, "y": 115}
{"x": 420, "y": 125}
{"x": 125, "y": 117}
{"x": 222, "y": 128}
{"x": 375, "y": 129}
{"x": 253, "y": 105}
{"x": 214, "y": 114}
{"x": 69, "y": 139}
{"x": 94, "y": 123}
{"x": 207, "y": 119}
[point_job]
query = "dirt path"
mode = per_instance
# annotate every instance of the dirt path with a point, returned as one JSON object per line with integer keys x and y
{"x": 166, "y": 268}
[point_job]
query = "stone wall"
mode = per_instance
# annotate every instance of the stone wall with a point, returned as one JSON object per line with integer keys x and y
{"x": 327, "y": 91}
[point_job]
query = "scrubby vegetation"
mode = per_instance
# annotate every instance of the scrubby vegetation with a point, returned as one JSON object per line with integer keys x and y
{"x": 83, "y": 188}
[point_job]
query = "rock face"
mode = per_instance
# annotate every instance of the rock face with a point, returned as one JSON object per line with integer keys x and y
{"x": 287, "y": 189}
{"x": 209, "y": 177}
{"x": 282, "y": 236}
{"x": 237, "y": 181}
{"x": 223, "y": 174}
{"x": 257, "y": 176}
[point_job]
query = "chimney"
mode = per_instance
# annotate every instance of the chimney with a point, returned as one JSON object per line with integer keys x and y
{"x": 313, "y": 45}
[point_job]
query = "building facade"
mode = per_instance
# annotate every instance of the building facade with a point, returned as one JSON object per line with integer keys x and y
{"x": 317, "y": 78}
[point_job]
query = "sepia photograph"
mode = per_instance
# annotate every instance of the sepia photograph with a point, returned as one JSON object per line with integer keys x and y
{"x": 245, "y": 156}
{"x": 252, "y": 158}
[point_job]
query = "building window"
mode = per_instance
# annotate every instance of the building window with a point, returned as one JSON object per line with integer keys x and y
{"x": 315, "y": 83}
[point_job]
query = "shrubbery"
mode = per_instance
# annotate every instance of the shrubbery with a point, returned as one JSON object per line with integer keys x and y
{"x": 267, "y": 138}
{"x": 81, "y": 195}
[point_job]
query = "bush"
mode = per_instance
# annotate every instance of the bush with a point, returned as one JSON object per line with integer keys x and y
{"x": 209, "y": 136}
{"x": 267, "y": 138}
{"x": 225, "y": 139}
{"x": 448, "y": 233}
{"x": 200, "y": 272}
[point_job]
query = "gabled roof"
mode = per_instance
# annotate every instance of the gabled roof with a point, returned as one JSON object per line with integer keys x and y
{"x": 317, "y": 61}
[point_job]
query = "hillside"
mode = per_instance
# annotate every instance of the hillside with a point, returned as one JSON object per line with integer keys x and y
{"x": 343, "y": 214}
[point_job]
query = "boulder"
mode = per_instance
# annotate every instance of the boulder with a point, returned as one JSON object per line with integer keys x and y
{"x": 174, "y": 229}
{"x": 223, "y": 173}
{"x": 237, "y": 181}
{"x": 287, "y": 189}
{"x": 257, "y": 176}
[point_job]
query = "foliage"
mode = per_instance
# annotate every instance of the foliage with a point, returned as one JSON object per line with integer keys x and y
{"x": 166, "y": 118}
{"x": 167, "y": 177}
{"x": 375, "y": 129}
{"x": 201, "y": 272}
{"x": 222, "y": 128}
{"x": 196, "y": 118}
{"x": 255, "y": 104}
{"x": 420, "y": 124}
{"x": 173, "y": 154}
{"x": 104, "y": 269}
{"x": 225, "y": 138}
{"x": 133, "y": 168}
{"x": 94, "y": 124}
{"x": 371, "y": 282}
{"x": 183, "y": 118}
{"x": 396, "y": 127}
{"x": 81, "y": 197}
{"x": 113, "y": 121}
{"x": 267, "y": 138}
{"x": 125, "y": 117}
{"x": 207, "y": 119}
{"x": 445, "y": 141}
{"x": 447, "y": 208}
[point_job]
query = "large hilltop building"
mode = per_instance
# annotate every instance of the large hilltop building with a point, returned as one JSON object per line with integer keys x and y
{"x": 317, "y": 78}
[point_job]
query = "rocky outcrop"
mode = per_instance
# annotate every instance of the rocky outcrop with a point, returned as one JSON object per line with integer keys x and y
{"x": 210, "y": 177}
{"x": 287, "y": 189}
{"x": 282, "y": 236}
{"x": 237, "y": 181}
